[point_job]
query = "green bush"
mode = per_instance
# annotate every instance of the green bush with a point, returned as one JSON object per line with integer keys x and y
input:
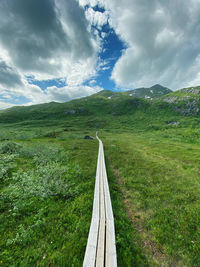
{"x": 53, "y": 134}
{"x": 43, "y": 153}
{"x": 51, "y": 179}
{"x": 10, "y": 148}
{"x": 6, "y": 164}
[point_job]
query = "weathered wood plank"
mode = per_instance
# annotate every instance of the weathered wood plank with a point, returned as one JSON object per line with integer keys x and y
{"x": 90, "y": 253}
{"x": 110, "y": 253}
{"x": 101, "y": 248}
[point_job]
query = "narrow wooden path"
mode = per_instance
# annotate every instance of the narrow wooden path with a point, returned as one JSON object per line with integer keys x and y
{"x": 101, "y": 249}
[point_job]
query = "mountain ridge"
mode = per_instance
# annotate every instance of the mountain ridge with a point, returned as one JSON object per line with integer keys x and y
{"x": 152, "y": 92}
{"x": 110, "y": 103}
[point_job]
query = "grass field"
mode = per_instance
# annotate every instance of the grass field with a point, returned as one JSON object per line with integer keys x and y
{"x": 159, "y": 181}
{"x": 46, "y": 200}
{"x": 47, "y": 183}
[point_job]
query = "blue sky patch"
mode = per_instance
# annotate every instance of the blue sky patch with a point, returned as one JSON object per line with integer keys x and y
{"x": 46, "y": 83}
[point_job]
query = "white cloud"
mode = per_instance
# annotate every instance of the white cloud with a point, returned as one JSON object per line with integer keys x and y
{"x": 91, "y": 3}
{"x": 55, "y": 39}
{"x": 9, "y": 76}
{"x": 45, "y": 40}
{"x": 53, "y": 93}
{"x": 80, "y": 72}
{"x": 106, "y": 68}
{"x": 70, "y": 92}
{"x": 162, "y": 40}
{"x": 97, "y": 18}
{"x": 4, "y": 105}
{"x": 103, "y": 34}
{"x": 92, "y": 82}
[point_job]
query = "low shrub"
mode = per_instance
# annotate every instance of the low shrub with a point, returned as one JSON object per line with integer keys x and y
{"x": 46, "y": 180}
{"x": 53, "y": 134}
{"x": 6, "y": 164}
{"x": 10, "y": 148}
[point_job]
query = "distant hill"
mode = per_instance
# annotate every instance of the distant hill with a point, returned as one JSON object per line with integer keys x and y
{"x": 155, "y": 101}
{"x": 146, "y": 93}
{"x": 149, "y": 93}
{"x": 104, "y": 93}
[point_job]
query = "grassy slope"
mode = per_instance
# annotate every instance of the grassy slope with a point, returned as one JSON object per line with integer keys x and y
{"x": 159, "y": 179}
{"x": 39, "y": 231}
{"x": 113, "y": 103}
{"x": 153, "y": 174}
{"x": 53, "y": 230}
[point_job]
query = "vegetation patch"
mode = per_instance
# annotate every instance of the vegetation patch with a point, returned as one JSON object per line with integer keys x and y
{"x": 47, "y": 175}
{"x": 160, "y": 185}
{"x": 44, "y": 204}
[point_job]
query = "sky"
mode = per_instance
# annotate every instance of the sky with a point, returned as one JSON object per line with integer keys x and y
{"x": 58, "y": 50}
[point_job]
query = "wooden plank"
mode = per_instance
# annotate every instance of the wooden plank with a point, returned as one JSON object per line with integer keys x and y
{"x": 101, "y": 238}
{"x": 101, "y": 248}
{"x": 90, "y": 253}
{"x": 110, "y": 253}
{"x": 111, "y": 256}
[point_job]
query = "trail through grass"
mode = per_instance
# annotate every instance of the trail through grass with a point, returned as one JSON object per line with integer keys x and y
{"x": 161, "y": 189}
{"x": 46, "y": 197}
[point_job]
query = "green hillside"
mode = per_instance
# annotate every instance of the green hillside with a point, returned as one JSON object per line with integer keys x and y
{"x": 185, "y": 101}
{"x": 109, "y": 109}
{"x": 47, "y": 172}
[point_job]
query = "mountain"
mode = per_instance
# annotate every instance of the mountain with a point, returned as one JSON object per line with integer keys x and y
{"x": 149, "y": 93}
{"x": 155, "y": 102}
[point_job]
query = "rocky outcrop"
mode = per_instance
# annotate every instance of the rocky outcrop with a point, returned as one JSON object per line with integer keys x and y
{"x": 186, "y": 103}
{"x": 70, "y": 111}
{"x": 175, "y": 123}
{"x": 82, "y": 110}
{"x": 88, "y": 137}
{"x": 188, "y": 108}
{"x": 191, "y": 90}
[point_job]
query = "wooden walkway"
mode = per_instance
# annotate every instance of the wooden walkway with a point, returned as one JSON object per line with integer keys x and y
{"x": 101, "y": 249}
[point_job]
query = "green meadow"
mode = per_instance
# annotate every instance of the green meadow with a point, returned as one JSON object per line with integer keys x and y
{"x": 47, "y": 176}
{"x": 46, "y": 197}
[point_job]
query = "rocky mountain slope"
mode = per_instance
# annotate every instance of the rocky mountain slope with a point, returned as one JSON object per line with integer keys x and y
{"x": 185, "y": 101}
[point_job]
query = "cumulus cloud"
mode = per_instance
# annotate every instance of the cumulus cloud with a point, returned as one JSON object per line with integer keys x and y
{"x": 59, "y": 39}
{"x": 9, "y": 76}
{"x": 68, "y": 92}
{"x": 162, "y": 39}
{"x": 4, "y": 105}
{"x": 46, "y": 39}
{"x": 92, "y": 3}
{"x": 97, "y": 18}
{"x": 35, "y": 95}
